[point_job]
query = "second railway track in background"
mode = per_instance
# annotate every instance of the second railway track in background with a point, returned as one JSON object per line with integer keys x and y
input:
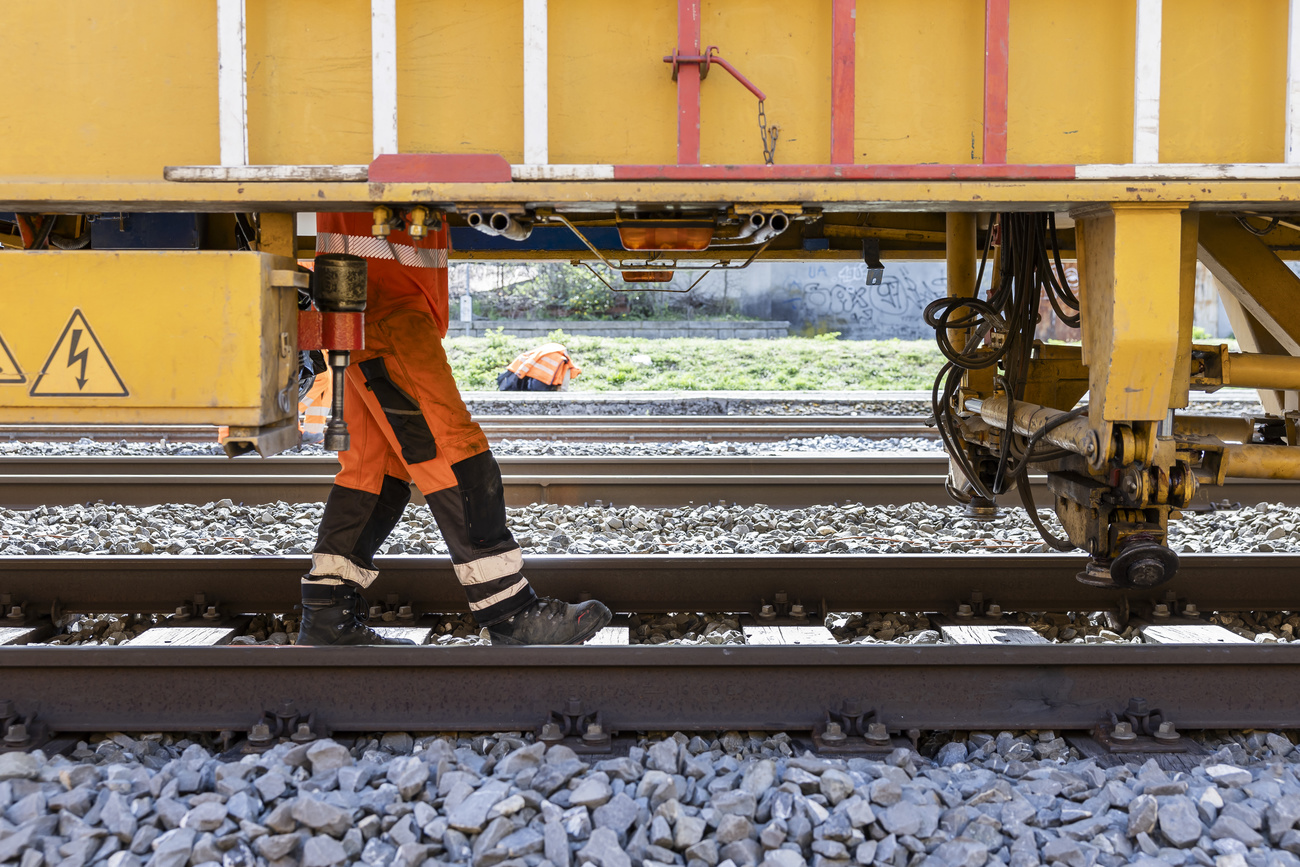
{"x": 570, "y": 428}
{"x": 794, "y": 480}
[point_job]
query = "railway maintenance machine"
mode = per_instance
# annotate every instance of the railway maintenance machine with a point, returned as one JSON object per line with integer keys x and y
{"x": 155, "y": 156}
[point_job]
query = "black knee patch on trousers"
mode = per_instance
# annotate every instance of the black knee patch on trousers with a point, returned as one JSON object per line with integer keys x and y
{"x": 347, "y": 512}
{"x": 403, "y": 413}
{"x": 479, "y": 481}
{"x": 393, "y": 497}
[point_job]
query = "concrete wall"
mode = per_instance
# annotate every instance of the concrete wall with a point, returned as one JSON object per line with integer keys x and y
{"x": 537, "y": 329}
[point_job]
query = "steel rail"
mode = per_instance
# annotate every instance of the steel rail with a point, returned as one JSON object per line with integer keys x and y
{"x": 648, "y": 583}
{"x": 786, "y": 481}
{"x": 649, "y": 688}
{"x": 795, "y": 480}
{"x": 586, "y": 428}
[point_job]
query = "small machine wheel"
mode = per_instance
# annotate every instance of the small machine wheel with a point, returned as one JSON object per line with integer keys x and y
{"x": 1144, "y": 564}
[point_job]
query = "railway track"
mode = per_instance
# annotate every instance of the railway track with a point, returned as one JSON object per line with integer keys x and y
{"x": 566, "y": 428}
{"x": 795, "y": 480}
{"x": 994, "y": 683}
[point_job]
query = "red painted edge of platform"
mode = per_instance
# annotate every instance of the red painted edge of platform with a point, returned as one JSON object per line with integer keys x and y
{"x": 440, "y": 169}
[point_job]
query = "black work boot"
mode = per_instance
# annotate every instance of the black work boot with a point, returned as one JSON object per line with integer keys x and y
{"x": 550, "y": 621}
{"x": 334, "y": 614}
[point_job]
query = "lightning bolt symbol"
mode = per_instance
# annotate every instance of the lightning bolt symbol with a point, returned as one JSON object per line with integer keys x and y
{"x": 74, "y": 356}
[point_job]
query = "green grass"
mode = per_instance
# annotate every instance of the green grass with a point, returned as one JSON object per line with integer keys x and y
{"x": 702, "y": 364}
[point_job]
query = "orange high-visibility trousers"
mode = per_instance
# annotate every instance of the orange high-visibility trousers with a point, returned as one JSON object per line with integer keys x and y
{"x": 407, "y": 421}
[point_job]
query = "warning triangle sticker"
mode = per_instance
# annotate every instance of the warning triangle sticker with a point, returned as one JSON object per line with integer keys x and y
{"x": 10, "y": 372}
{"x": 78, "y": 366}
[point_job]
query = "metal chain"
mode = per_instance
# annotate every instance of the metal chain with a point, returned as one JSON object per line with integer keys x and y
{"x": 769, "y": 145}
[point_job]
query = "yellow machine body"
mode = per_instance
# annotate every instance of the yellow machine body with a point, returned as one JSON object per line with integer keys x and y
{"x": 136, "y": 85}
{"x": 147, "y": 338}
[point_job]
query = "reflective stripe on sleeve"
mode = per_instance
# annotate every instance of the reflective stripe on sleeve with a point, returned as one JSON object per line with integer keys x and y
{"x": 380, "y": 248}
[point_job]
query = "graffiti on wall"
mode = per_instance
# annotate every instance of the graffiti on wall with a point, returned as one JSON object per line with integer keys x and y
{"x": 835, "y": 297}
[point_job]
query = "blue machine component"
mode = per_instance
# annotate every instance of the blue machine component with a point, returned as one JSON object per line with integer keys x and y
{"x": 146, "y": 231}
{"x": 555, "y": 238}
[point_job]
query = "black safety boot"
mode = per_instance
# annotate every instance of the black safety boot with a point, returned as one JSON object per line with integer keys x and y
{"x": 550, "y": 621}
{"x": 334, "y": 614}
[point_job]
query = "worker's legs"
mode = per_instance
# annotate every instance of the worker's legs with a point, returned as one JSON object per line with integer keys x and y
{"x": 410, "y": 386}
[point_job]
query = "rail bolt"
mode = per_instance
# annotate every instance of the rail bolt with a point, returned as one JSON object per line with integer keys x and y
{"x": 1167, "y": 733}
{"x": 260, "y": 735}
{"x": 833, "y": 734}
{"x": 964, "y": 610}
{"x": 877, "y": 734}
{"x": 551, "y": 731}
{"x": 211, "y": 613}
{"x": 376, "y": 612}
{"x": 304, "y": 734}
{"x": 1190, "y": 610}
{"x": 767, "y": 612}
{"x": 1123, "y": 733}
{"x": 594, "y": 734}
{"x": 994, "y": 610}
{"x": 15, "y": 613}
{"x": 17, "y": 736}
{"x": 797, "y": 611}
{"x": 405, "y": 613}
{"x": 1161, "y": 610}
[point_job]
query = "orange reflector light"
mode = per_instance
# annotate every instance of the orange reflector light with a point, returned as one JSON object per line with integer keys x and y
{"x": 665, "y": 236}
{"x": 647, "y": 276}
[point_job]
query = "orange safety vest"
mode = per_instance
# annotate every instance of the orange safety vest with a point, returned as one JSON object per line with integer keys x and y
{"x": 548, "y": 363}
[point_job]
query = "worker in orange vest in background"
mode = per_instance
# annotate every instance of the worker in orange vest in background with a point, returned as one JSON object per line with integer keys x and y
{"x": 546, "y": 368}
{"x": 407, "y": 421}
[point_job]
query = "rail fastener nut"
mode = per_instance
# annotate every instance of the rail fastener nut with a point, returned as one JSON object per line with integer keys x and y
{"x": 964, "y": 611}
{"x": 1123, "y": 733}
{"x": 211, "y": 613}
{"x": 376, "y": 612}
{"x": 304, "y": 734}
{"x": 1161, "y": 610}
{"x": 16, "y": 736}
{"x": 1190, "y": 610}
{"x": 259, "y": 737}
{"x": 1166, "y": 733}
{"x": 877, "y": 734}
{"x": 994, "y": 610}
{"x": 15, "y": 613}
{"x": 551, "y": 731}
{"x": 406, "y": 612}
{"x": 797, "y": 612}
{"x": 834, "y": 734}
{"x": 767, "y": 612}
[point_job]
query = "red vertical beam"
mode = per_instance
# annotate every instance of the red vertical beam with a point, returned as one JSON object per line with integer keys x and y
{"x": 843, "y": 62}
{"x": 688, "y": 83}
{"x": 997, "y": 30}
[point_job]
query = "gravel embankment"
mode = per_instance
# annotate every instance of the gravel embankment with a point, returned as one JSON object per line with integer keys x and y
{"x": 914, "y": 528}
{"x": 1019, "y": 799}
{"x": 509, "y": 447}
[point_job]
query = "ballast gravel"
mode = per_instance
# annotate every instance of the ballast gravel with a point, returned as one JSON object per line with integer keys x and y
{"x": 914, "y": 528}
{"x": 734, "y": 800}
{"x": 509, "y": 448}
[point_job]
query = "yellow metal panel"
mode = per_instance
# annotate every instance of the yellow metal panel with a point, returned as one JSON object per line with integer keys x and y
{"x": 460, "y": 76}
{"x": 107, "y": 90}
{"x": 1223, "y": 81}
{"x": 612, "y": 98}
{"x": 786, "y": 51}
{"x": 1130, "y": 268}
{"x": 1070, "y": 95}
{"x": 919, "y": 82}
{"x": 308, "y": 82}
{"x": 178, "y": 337}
